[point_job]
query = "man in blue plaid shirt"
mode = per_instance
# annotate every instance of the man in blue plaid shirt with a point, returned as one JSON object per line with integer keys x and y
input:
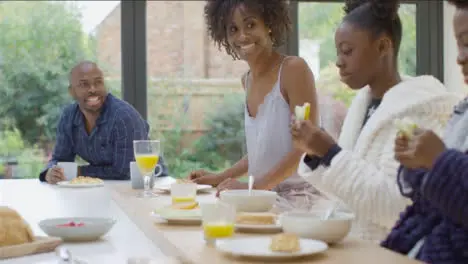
{"x": 98, "y": 127}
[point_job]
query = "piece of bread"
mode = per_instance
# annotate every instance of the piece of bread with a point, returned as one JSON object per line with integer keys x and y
{"x": 256, "y": 218}
{"x": 288, "y": 243}
{"x": 13, "y": 228}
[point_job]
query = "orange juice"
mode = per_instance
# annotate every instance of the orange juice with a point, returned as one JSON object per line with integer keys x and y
{"x": 147, "y": 163}
{"x": 218, "y": 230}
{"x": 183, "y": 199}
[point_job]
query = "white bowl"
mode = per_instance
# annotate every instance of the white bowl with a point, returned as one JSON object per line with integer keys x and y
{"x": 310, "y": 225}
{"x": 258, "y": 201}
{"x": 92, "y": 228}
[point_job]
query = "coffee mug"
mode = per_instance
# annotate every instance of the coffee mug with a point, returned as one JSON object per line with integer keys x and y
{"x": 70, "y": 169}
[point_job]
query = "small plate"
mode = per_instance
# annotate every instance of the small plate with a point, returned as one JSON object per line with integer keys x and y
{"x": 200, "y": 187}
{"x": 67, "y": 184}
{"x": 177, "y": 216}
{"x": 92, "y": 228}
{"x": 259, "y": 247}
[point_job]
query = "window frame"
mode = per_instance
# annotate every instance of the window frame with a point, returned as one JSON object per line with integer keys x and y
{"x": 133, "y": 42}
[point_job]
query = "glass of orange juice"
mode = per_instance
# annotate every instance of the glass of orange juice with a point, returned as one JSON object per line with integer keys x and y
{"x": 147, "y": 154}
{"x": 218, "y": 221}
{"x": 183, "y": 192}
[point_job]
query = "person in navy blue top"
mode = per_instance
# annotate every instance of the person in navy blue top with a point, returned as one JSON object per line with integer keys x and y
{"x": 98, "y": 127}
{"x": 434, "y": 175}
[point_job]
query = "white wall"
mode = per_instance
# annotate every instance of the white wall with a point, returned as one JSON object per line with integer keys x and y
{"x": 453, "y": 77}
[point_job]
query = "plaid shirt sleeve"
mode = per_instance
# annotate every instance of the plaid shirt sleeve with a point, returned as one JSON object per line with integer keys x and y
{"x": 63, "y": 150}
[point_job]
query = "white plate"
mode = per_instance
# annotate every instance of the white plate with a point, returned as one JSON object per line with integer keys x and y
{"x": 93, "y": 228}
{"x": 259, "y": 247}
{"x": 175, "y": 216}
{"x": 67, "y": 184}
{"x": 200, "y": 187}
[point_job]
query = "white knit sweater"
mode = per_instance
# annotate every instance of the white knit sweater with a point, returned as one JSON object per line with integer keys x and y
{"x": 363, "y": 174}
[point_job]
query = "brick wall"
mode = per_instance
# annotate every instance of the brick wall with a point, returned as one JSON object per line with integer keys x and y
{"x": 108, "y": 44}
{"x": 177, "y": 43}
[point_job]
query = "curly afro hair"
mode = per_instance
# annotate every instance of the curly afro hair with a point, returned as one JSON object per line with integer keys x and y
{"x": 459, "y": 3}
{"x": 377, "y": 16}
{"x": 274, "y": 13}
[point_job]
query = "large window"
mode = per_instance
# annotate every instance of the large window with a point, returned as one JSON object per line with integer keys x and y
{"x": 194, "y": 96}
{"x": 159, "y": 55}
{"x": 193, "y": 99}
{"x": 41, "y": 41}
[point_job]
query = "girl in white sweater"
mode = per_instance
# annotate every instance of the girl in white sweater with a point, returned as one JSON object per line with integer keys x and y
{"x": 360, "y": 168}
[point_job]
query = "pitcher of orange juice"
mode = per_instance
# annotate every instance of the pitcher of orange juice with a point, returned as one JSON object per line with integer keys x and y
{"x": 218, "y": 221}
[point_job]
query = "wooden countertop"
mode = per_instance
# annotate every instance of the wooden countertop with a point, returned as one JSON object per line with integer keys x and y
{"x": 187, "y": 244}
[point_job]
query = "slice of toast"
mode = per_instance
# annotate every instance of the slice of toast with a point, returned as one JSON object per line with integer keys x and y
{"x": 256, "y": 218}
{"x": 288, "y": 243}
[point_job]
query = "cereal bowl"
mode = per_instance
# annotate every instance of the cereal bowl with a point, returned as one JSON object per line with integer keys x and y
{"x": 77, "y": 228}
{"x": 311, "y": 225}
{"x": 257, "y": 201}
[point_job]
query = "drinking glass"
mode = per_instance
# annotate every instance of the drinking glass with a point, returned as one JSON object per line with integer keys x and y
{"x": 183, "y": 192}
{"x": 218, "y": 221}
{"x": 147, "y": 154}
